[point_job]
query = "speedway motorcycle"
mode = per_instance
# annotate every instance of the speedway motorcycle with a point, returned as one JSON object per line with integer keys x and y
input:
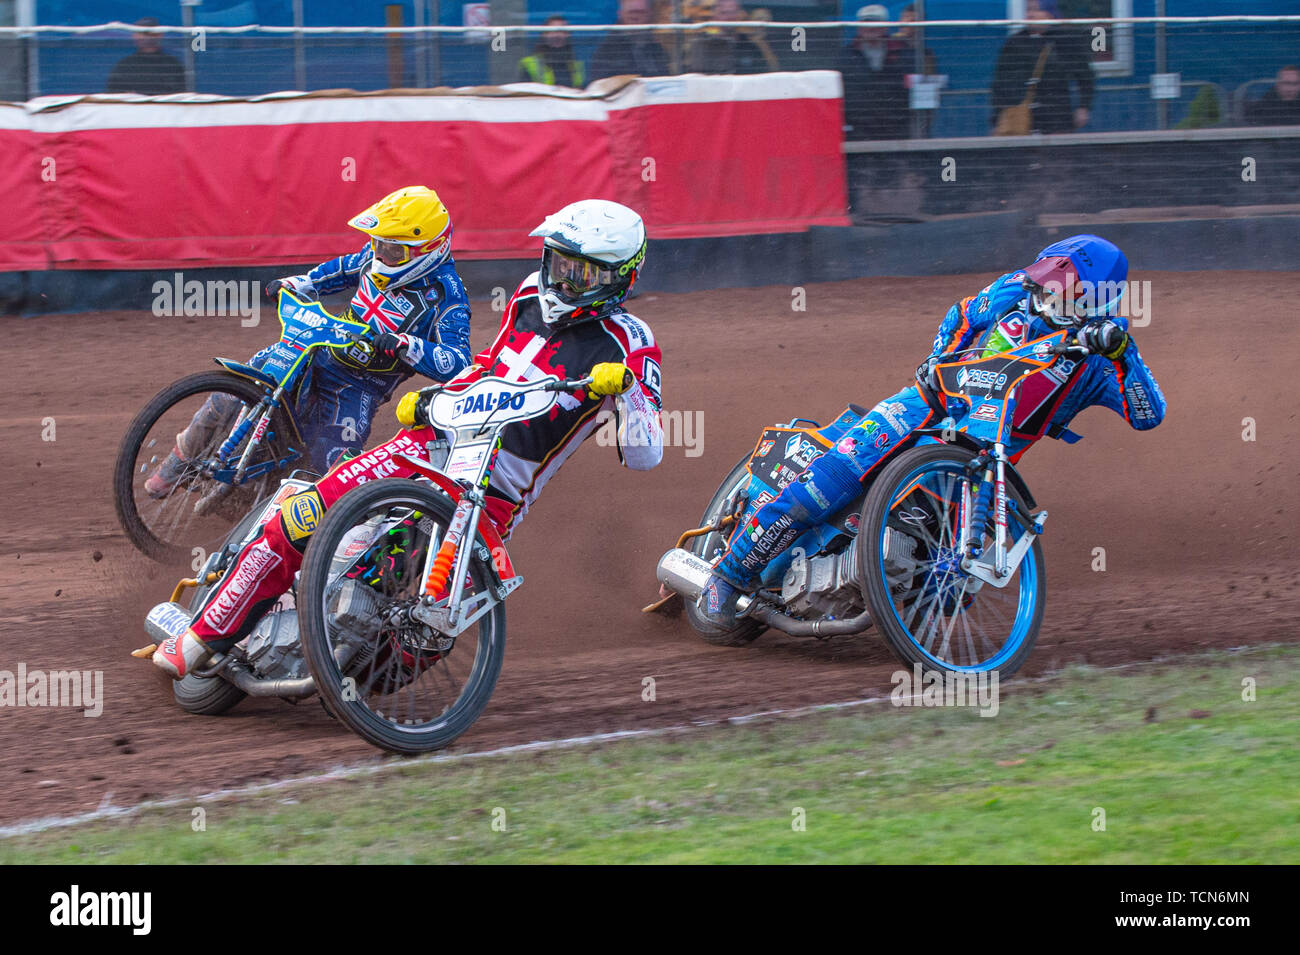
{"x": 249, "y": 435}
{"x": 396, "y": 618}
{"x": 941, "y": 551}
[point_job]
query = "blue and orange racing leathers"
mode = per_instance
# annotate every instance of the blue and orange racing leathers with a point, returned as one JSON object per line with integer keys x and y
{"x": 993, "y": 320}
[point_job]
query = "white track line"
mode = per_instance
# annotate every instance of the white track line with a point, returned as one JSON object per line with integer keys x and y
{"x": 107, "y": 810}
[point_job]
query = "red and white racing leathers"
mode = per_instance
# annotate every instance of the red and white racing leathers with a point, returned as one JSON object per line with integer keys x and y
{"x": 532, "y": 451}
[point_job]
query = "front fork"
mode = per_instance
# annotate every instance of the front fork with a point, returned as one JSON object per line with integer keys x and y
{"x": 263, "y": 423}
{"x": 973, "y": 515}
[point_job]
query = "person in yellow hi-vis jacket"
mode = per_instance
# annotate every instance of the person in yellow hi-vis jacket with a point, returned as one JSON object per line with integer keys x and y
{"x": 553, "y": 61}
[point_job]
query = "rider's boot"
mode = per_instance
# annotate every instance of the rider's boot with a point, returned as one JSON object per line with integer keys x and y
{"x": 178, "y": 656}
{"x": 165, "y": 476}
{"x": 717, "y": 602}
{"x": 189, "y": 444}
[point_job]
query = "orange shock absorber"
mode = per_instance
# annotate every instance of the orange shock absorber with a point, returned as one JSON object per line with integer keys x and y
{"x": 441, "y": 568}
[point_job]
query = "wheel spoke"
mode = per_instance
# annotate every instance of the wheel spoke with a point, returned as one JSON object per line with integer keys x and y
{"x": 953, "y": 618}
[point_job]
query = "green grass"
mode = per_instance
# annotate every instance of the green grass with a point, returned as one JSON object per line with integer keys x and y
{"x": 876, "y": 784}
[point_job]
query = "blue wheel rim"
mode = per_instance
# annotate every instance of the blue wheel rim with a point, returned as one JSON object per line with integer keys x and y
{"x": 1028, "y": 572}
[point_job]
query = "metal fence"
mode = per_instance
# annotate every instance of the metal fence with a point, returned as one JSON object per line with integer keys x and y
{"x": 929, "y": 79}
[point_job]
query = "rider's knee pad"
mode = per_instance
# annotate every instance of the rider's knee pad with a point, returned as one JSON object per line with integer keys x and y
{"x": 826, "y": 486}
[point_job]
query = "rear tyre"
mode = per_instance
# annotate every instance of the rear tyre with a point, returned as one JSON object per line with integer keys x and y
{"x": 166, "y": 528}
{"x": 212, "y": 696}
{"x": 709, "y": 547}
{"x": 205, "y": 696}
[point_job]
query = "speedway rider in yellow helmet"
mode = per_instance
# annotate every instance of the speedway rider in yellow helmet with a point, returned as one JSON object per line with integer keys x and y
{"x": 406, "y": 290}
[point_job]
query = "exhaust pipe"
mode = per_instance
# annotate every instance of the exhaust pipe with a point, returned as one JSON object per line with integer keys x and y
{"x": 166, "y": 621}
{"x": 811, "y": 628}
{"x": 285, "y": 689}
{"x": 684, "y": 573}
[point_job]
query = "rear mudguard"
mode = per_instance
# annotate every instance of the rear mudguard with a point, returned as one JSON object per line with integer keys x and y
{"x": 501, "y": 565}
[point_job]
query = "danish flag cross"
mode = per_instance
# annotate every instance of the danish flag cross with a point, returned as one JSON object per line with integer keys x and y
{"x": 371, "y": 303}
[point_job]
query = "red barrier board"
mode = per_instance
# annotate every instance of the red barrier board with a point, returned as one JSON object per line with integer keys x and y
{"x": 135, "y": 182}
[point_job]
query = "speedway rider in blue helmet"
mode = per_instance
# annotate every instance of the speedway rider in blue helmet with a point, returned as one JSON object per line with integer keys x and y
{"x": 407, "y": 291}
{"x": 1075, "y": 283}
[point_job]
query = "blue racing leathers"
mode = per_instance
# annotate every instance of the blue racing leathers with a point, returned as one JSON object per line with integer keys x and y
{"x": 993, "y": 320}
{"x": 339, "y": 396}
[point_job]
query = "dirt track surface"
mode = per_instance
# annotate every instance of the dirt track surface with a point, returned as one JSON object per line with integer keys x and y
{"x": 1198, "y": 528}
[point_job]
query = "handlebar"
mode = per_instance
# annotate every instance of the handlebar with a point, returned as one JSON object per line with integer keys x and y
{"x": 1069, "y": 350}
{"x": 572, "y": 384}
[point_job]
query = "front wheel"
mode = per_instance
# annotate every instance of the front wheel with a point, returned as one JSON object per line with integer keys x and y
{"x": 165, "y": 502}
{"x": 931, "y": 611}
{"x": 397, "y": 683}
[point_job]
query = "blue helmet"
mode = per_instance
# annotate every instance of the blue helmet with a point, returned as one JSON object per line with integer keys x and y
{"x": 1077, "y": 280}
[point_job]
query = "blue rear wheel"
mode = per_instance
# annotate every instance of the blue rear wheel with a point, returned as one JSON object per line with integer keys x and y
{"x": 932, "y": 612}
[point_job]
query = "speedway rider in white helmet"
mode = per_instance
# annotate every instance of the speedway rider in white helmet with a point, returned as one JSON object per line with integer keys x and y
{"x": 567, "y": 320}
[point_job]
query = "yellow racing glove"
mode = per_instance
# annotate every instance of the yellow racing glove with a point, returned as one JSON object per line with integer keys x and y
{"x": 408, "y": 408}
{"x": 610, "y": 378}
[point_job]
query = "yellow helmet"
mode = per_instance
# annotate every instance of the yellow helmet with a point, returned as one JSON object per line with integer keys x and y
{"x": 410, "y": 235}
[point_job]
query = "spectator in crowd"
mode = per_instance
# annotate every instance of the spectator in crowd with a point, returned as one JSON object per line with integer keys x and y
{"x": 875, "y": 80}
{"x": 1065, "y": 61}
{"x": 552, "y": 61}
{"x": 905, "y": 39}
{"x": 729, "y": 50}
{"x": 1280, "y": 105}
{"x": 148, "y": 71}
{"x": 632, "y": 52}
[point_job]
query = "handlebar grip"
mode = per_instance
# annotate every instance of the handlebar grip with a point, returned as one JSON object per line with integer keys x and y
{"x": 570, "y": 385}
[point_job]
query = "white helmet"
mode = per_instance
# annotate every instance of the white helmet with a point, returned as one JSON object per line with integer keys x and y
{"x": 592, "y": 252}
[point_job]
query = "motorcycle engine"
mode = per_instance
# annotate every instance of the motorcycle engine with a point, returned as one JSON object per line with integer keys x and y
{"x": 827, "y": 585}
{"x": 273, "y": 649}
{"x": 824, "y": 586}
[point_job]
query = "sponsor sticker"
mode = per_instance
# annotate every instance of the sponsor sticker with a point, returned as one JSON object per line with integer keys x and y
{"x": 443, "y": 360}
{"x": 801, "y": 452}
{"x": 652, "y": 378}
{"x": 258, "y": 561}
{"x": 813, "y": 491}
{"x": 301, "y": 514}
{"x": 980, "y": 378}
